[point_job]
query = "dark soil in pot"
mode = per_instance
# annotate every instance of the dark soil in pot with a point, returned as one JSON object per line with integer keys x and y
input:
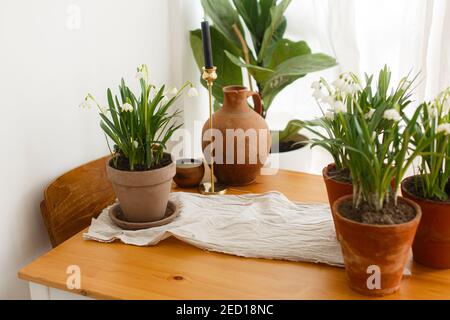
{"x": 295, "y": 142}
{"x": 340, "y": 175}
{"x": 122, "y": 163}
{"x": 414, "y": 186}
{"x": 390, "y": 214}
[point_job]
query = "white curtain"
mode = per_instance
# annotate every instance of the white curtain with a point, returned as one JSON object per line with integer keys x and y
{"x": 363, "y": 35}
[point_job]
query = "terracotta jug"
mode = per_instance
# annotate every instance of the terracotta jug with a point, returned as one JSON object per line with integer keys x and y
{"x": 241, "y": 138}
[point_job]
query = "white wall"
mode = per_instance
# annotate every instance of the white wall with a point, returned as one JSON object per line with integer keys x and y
{"x": 46, "y": 68}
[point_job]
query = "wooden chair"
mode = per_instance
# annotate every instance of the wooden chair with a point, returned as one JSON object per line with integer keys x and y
{"x": 73, "y": 199}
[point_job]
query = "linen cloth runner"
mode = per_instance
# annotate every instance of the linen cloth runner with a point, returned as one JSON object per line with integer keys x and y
{"x": 253, "y": 225}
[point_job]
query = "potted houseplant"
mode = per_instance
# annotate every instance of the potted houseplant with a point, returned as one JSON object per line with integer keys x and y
{"x": 430, "y": 188}
{"x": 332, "y": 100}
{"x": 272, "y": 61}
{"x": 376, "y": 225}
{"x": 140, "y": 125}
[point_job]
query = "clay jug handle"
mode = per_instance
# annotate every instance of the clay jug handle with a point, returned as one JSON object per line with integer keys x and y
{"x": 256, "y": 101}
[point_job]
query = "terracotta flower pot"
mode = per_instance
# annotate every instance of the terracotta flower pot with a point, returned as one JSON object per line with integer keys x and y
{"x": 143, "y": 195}
{"x": 244, "y": 144}
{"x": 190, "y": 173}
{"x": 368, "y": 246}
{"x": 431, "y": 245}
{"x": 335, "y": 190}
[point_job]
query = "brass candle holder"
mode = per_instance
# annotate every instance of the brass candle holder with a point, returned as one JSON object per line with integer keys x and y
{"x": 211, "y": 187}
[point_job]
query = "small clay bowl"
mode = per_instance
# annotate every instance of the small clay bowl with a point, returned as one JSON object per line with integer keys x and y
{"x": 190, "y": 173}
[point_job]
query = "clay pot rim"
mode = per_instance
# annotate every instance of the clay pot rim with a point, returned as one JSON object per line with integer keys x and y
{"x": 142, "y": 171}
{"x": 418, "y": 198}
{"x": 197, "y": 161}
{"x": 378, "y": 226}
{"x": 326, "y": 176}
{"x": 235, "y": 88}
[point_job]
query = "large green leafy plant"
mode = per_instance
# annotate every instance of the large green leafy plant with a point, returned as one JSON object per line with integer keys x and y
{"x": 139, "y": 125}
{"x": 272, "y": 61}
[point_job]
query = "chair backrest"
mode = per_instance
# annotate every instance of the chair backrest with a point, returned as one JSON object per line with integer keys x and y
{"x": 73, "y": 199}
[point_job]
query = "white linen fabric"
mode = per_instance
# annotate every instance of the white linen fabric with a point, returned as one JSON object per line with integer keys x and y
{"x": 254, "y": 225}
{"x": 264, "y": 225}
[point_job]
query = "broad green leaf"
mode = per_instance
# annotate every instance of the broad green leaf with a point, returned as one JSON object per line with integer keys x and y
{"x": 223, "y": 16}
{"x": 292, "y": 69}
{"x": 259, "y": 73}
{"x": 283, "y": 50}
{"x": 276, "y": 15}
{"x": 228, "y": 72}
{"x": 291, "y": 129}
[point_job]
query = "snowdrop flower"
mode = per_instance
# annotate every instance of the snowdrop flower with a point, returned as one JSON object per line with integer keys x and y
{"x": 192, "y": 92}
{"x": 339, "y": 106}
{"x": 405, "y": 85}
{"x": 86, "y": 103}
{"x": 432, "y": 111}
{"x": 329, "y": 115}
{"x": 135, "y": 144}
{"x": 446, "y": 107}
{"x": 328, "y": 100}
{"x": 318, "y": 95}
{"x": 126, "y": 107}
{"x": 164, "y": 100}
{"x": 444, "y": 127}
{"x": 140, "y": 75}
{"x": 316, "y": 85}
{"x": 103, "y": 110}
{"x": 369, "y": 114}
{"x": 173, "y": 91}
{"x": 392, "y": 114}
{"x": 338, "y": 83}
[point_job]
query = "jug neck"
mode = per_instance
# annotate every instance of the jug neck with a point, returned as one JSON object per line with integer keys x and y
{"x": 235, "y": 99}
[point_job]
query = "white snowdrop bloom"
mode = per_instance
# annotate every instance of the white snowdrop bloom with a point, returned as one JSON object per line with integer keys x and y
{"x": 329, "y": 115}
{"x": 392, "y": 114}
{"x": 339, "y": 106}
{"x": 405, "y": 85}
{"x": 316, "y": 85}
{"x": 126, "y": 107}
{"x": 164, "y": 100}
{"x": 192, "y": 92}
{"x": 104, "y": 110}
{"x": 369, "y": 114}
{"x": 140, "y": 75}
{"x": 173, "y": 91}
{"x": 86, "y": 103}
{"x": 338, "y": 83}
{"x": 318, "y": 95}
{"x": 329, "y": 100}
{"x": 135, "y": 144}
{"x": 432, "y": 111}
{"x": 446, "y": 107}
{"x": 444, "y": 127}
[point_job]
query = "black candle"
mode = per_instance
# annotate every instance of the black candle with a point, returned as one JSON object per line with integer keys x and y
{"x": 207, "y": 50}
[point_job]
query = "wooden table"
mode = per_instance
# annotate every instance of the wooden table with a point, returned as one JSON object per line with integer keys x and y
{"x": 174, "y": 270}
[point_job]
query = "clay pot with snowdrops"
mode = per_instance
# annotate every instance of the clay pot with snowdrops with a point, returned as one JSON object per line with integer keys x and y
{"x": 139, "y": 126}
{"x": 376, "y": 227}
{"x": 431, "y": 188}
